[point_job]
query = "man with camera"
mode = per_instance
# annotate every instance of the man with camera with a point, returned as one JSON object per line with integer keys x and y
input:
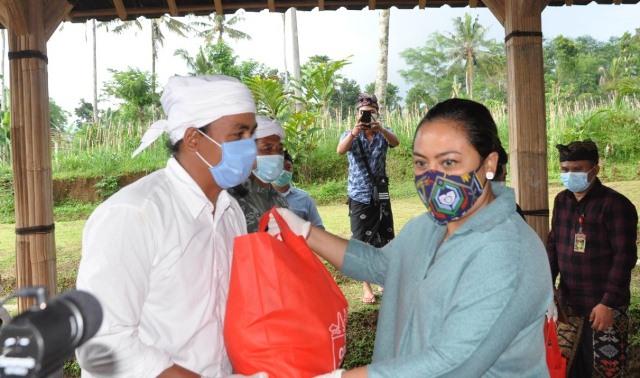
{"x": 366, "y": 146}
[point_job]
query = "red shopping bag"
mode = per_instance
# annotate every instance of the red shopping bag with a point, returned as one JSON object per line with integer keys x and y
{"x": 556, "y": 362}
{"x": 285, "y": 313}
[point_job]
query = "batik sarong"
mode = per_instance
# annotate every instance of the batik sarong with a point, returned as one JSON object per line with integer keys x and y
{"x": 609, "y": 345}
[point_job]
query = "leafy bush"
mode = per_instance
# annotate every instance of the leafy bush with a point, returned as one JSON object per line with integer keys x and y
{"x": 7, "y": 204}
{"x": 107, "y": 186}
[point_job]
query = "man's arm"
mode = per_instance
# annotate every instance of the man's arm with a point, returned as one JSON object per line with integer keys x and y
{"x": 552, "y": 253}
{"x": 347, "y": 139}
{"x": 391, "y": 138}
{"x": 119, "y": 278}
{"x": 622, "y": 223}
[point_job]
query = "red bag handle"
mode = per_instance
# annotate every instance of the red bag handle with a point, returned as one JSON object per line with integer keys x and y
{"x": 285, "y": 231}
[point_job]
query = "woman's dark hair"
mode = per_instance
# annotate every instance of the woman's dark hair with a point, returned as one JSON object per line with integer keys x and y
{"x": 173, "y": 147}
{"x": 474, "y": 118}
{"x": 503, "y": 159}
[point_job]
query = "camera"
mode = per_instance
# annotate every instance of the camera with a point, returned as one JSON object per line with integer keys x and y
{"x": 37, "y": 342}
{"x": 365, "y": 116}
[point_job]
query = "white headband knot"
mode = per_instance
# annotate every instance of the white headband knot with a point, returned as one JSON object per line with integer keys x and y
{"x": 196, "y": 101}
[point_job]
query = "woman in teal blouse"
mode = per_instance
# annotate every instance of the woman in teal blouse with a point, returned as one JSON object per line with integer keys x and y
{"x": 467, "y": 283}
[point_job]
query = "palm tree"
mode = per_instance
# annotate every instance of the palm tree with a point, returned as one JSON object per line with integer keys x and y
{"x": 157, "y": 36}
{"x": 468, "y": 47}
{"x": 215, "y": 26}
{"x": 383, "y": 59}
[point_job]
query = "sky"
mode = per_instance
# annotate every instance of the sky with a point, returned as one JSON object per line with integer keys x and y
{"x": 337, "y": 34}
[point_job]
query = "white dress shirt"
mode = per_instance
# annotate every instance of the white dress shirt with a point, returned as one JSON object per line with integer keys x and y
{"x": 158, "y": 258}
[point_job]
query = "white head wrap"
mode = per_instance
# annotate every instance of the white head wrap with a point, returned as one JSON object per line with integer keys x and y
{"x": 267, "y": 127}
{"x": 196, "y": 101}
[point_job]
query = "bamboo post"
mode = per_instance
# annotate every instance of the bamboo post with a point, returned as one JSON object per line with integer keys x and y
{"x": 527, "y": 137}
{"x": 29, "y": 28}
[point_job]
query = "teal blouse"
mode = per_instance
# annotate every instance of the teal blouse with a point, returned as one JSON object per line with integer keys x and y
{"x": 471, "y": 307}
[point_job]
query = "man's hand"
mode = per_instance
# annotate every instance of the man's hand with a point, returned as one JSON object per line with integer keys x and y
{"x": 601, "y": 317}
{"x": 298, "y": 225}
{"x": 375, "y": 125}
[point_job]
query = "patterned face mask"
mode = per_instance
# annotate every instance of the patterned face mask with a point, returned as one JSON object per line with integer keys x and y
{"x": 448, "y": 197}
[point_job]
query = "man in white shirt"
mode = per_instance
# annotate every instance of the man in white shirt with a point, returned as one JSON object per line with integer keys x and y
{"x": 157, "y": 254}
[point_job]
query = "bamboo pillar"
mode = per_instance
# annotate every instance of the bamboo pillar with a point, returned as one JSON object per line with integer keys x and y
{"x": 526, "y": 104}
{"x": 30, "y": 24}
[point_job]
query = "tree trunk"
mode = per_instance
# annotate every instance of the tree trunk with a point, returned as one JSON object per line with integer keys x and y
{"x": 469, "y": 73}
{"x": 95, "y": 73}
{"x": 154, "y": 52}
{"x": 284, "y": 46}
{"x": 383, "y": 59}
{"x": 154, "y": 57}
{"x": 296, "y": 54}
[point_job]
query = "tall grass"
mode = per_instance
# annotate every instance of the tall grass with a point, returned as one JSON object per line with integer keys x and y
{"x": 105, "y": 149}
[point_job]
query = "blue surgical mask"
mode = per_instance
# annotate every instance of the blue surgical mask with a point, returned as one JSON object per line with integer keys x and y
{"x": 284, "y": 179}
{"x": 269, "y": 167}
{"x": 237, "y": 160}
{"x": 576, "y": 182}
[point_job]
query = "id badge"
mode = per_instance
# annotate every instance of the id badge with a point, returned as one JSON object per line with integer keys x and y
{"x": 580, "y": 242}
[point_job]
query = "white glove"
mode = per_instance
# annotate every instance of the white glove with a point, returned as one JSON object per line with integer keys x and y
{"x": 261, "y": 374}
{"x": 333, "y": 374}
{"x": 298, "y": 225}
{"x": 552, "y": 312}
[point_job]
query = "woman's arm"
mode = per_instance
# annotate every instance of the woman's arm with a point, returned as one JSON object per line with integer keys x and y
{"x": 330, "y": 247}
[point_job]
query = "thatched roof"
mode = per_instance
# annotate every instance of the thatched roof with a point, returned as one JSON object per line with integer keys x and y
{"x": 106, "y": 10}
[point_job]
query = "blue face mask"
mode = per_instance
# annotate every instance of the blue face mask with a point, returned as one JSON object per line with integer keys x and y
{"x": 237, "y": 160}
{"x": 576, "y": 182}
{"x": 284, "y": 179}
{"x": 269, "y": 167}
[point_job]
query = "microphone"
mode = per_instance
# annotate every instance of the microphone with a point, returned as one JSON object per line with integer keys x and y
{"x": 38, "y": 341}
